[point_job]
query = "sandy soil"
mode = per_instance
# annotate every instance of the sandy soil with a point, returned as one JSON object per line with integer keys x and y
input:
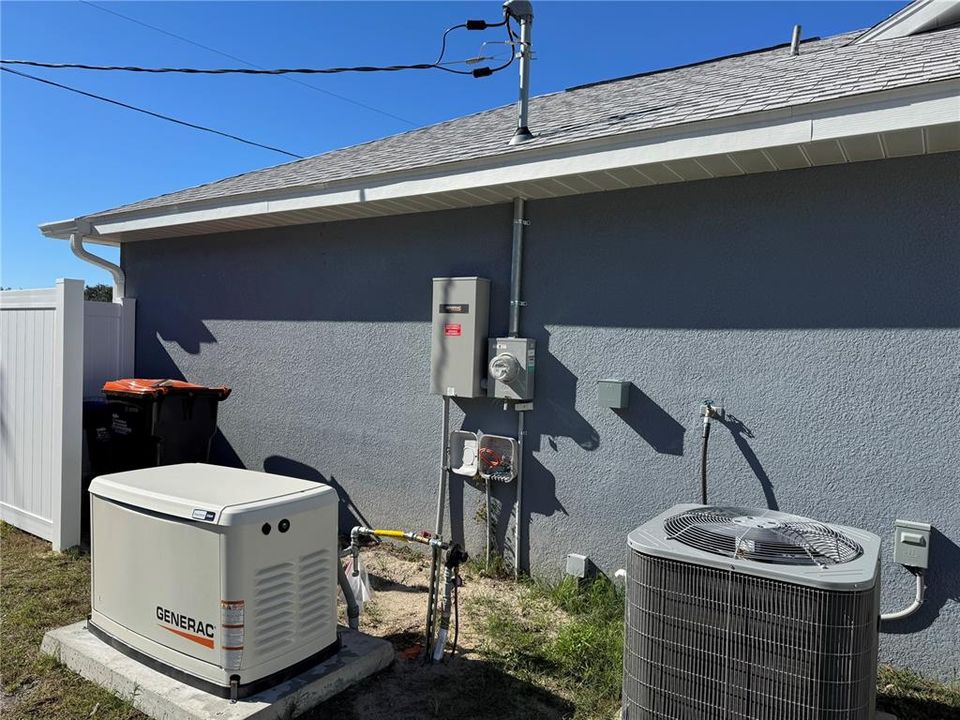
{"x": 465, "y": 685}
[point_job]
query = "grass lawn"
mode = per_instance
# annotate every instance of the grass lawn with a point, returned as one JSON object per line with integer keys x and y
{"x": 548, "y": 638}
{"x": 40, "y": 590}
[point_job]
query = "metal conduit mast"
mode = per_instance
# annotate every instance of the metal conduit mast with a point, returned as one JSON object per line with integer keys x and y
{"x": 522, "y": 11}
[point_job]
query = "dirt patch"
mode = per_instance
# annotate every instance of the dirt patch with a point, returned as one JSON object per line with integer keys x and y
{"x": 465, "y": 685}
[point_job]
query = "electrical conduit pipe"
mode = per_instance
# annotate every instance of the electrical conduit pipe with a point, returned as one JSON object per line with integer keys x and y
{"x": 914, "y": 606}
{"x": 516, "y": 269}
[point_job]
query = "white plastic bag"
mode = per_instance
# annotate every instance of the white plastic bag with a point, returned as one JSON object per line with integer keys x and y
{"x": 359, "y": 585}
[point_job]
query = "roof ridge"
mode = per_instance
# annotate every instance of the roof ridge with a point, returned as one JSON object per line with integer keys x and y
{"x": 709, "y": 61}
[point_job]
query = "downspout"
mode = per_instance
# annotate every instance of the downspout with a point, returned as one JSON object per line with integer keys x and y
{"x": 76, "y": 245}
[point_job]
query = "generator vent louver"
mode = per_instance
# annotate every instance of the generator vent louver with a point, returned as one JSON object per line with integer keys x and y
{"x": 315, "y": 577}
{"x": 275, "y": 607}
{"x": 290, "y": 600}
{"x": 764, "y": 536}
{"x": 718, "y": 628}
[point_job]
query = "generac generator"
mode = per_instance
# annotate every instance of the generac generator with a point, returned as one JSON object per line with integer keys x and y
{"x": 224, "y": 579}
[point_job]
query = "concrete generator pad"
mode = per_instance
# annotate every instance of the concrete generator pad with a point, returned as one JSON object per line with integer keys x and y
{"x": 164, "y": 698}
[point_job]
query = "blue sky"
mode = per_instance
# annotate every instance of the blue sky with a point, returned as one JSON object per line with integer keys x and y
{"x": 64, "y": 155}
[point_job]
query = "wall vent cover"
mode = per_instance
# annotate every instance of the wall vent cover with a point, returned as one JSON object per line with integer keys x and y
{"x": 783, "y": 626}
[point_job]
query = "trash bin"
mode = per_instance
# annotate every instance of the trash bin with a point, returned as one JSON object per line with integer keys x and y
{"x": 96, "y": 437}
{"x": 160, "y": 422}
{"x": 97, "y": 455}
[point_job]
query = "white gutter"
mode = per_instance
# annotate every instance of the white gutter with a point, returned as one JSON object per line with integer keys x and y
{"x": 76, "y": 245}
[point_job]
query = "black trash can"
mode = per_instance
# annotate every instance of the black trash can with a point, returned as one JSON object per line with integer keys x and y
{"x": 96, "y": 437}
{"x": 97, "y": 454}
{"x": 160, "y": 422}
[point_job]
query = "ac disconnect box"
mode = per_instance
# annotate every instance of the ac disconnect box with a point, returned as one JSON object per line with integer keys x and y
{"x": 459, "y": 336}
{"x": 225, "y": 579}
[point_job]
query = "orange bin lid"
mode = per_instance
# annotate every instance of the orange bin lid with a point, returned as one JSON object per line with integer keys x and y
{"x": 139, "y": 387}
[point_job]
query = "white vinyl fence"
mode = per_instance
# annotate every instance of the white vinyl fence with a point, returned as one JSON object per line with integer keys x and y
{"x": 55, "y": 349}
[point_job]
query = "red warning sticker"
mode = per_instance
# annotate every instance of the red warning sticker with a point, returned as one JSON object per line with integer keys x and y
{"x": 452, "y": 329}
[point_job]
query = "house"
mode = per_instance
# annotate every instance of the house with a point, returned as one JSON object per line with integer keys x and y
{"x": 774, "y": 231}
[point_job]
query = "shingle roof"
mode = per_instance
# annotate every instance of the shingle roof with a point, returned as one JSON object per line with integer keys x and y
{"x": 764, "y": 80}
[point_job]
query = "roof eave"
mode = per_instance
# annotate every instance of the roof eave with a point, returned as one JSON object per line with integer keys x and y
{"x": 599, "y": 162}
{"x": 59, "y": 229}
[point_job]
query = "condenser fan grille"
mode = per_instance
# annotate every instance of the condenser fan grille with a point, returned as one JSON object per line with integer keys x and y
{"x": 767, "y": 536}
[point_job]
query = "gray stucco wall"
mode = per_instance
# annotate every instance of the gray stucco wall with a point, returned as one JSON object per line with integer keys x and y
{"x": 821, "y": 306}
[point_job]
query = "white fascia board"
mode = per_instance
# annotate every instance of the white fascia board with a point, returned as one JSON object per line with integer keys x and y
{"x": 918, "y": 106}
{"x": 889, "y": 115}
{"x": 915, "y": 18}
{"x": 644, "y": 152}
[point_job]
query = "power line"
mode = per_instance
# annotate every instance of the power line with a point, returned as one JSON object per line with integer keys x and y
{"x": 437, "y": 65}
{"x": 479, "y": 72}
{"x": 247, "y": 62}
{"x": 151, "y": 113}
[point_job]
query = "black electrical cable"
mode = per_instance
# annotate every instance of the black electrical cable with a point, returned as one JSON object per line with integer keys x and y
{"x": 456, "y": 613}
{"x": 703, "y": 463}
{"x": 438, "y": 65}
{"x": 151, "y": 113}
{"x": 443, "y": 41}
{"x": 232, "y": 71}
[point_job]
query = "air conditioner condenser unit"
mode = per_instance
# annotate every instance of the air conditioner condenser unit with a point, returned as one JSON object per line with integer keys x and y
{"x": 224, "y": 579}
{"x": 734, "y": 613}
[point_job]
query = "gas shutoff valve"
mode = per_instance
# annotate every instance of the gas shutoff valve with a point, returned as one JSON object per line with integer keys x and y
{"x": 511, "y": 368}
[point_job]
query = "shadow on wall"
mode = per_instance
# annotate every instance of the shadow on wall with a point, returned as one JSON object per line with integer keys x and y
{"x": 654, "y": 279}
{"x": 741, "y": 434}
{"x": 652, "y": 423}
{"x": 272, "y": 274}
{"x": 650, "y": 253}
{"x": 645, "y": 268}
{"x": 222, "y": 452}
{"x": 943, "y": 586}
{"x": 349, "y": 515}
{"x": 556, "y": 416}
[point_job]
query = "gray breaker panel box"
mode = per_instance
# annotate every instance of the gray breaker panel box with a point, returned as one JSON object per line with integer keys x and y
{"x": 458, "y": 350}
